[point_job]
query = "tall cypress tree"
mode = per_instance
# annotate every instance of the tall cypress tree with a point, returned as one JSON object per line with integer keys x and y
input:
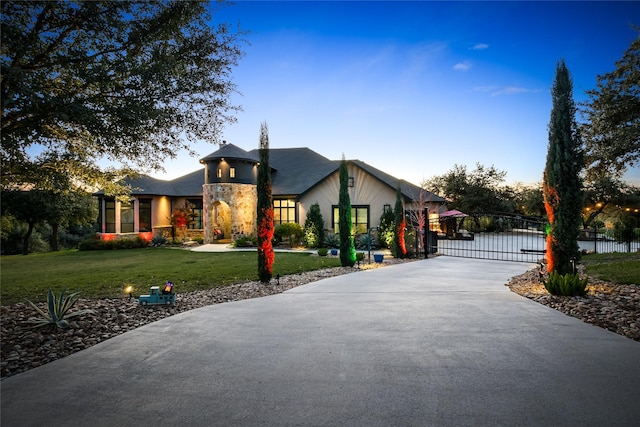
{"x": 347, "y": 246}
{"x": 562, "y": 186}
{"x": 265, "y": 210}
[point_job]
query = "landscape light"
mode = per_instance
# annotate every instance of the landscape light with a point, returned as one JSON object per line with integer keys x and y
{"x": 129, "y": 290}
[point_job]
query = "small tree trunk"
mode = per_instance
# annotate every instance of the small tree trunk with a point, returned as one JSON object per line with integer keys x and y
{"x": 27, "y": 236}
{"x": 53, "y": 238}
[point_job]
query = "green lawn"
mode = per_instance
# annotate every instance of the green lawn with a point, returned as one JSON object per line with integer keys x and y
{"x": 622, "y": 268}
{"x": 102, "y": 274}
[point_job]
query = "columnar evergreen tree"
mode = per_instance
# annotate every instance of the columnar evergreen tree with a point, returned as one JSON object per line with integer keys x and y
{"x": 562, "y": 186}
{"x": 400, "y": 249}
{"x": 265, "y": 210}
{"x": 347, "y": 246}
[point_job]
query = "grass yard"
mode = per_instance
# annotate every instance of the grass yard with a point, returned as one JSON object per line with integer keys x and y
{"x": 621, "y": 268}
{"x": 103, "y": 274}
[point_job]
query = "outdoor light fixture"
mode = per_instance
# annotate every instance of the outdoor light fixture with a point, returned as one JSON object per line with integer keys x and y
{"x": 129, "y": 290}
{"x": 369, "y": 242}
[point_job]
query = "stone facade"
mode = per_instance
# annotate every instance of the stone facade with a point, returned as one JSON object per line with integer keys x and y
{"x": 229, "y": 211}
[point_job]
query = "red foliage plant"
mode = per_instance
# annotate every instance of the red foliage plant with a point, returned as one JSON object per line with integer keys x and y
{"x": 265, "y": 233}
{"x": 401, "y": 228}
{"x": 179, "y": 218}
{"x": 550, "y": 201}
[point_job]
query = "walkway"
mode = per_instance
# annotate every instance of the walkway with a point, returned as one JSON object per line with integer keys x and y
{"x": 438, "y": 342}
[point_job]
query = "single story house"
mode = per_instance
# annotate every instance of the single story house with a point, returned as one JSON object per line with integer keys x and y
{"x": 221, "y": 198}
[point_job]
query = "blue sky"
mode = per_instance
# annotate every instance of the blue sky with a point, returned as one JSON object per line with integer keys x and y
{"x": 413, "y": 88}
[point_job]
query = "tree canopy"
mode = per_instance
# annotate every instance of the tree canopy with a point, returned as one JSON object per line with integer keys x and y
{"x": 480, "y": 190}
{"x": 132, "y": 83}
{"x": 611, "y": 130}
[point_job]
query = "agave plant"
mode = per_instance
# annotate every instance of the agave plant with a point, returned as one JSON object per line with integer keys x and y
{"x": 58, "y": 310}
{"x": 568, "y": 284}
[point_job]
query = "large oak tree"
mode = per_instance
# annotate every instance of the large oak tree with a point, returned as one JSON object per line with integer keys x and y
{"x": 611, "y": 130}
{"x": 131, "y": 83}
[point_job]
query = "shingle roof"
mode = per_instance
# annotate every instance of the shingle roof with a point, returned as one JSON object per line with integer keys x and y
{"x": 186, "y": 185}
{"x": 296, "y": 170}
{"x": 230, "y": 151}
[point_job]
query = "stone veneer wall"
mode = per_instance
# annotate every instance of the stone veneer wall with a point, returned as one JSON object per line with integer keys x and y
{"x": 241, "y": 216}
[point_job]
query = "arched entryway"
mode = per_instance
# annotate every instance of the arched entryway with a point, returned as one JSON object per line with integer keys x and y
{"x": 220, "y": 221}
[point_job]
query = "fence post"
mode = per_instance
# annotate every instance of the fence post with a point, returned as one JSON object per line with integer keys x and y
{"x": 595, "y": 239}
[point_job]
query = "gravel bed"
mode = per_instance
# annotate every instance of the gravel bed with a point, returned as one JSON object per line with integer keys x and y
{"x": 609, "y": 306}
{"x": 606, "y": 305}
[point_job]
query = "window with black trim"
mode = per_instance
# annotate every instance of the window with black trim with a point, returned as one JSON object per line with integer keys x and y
{"x": 359, "y": 219}
{"x": 232, "y": 172}
{"x": 144, "y": 215}
{"x": 109, "y": 215}
{"x": 284, "y": 210}
{"x": 196, "y": 213}
{"x": 126, "y": 217}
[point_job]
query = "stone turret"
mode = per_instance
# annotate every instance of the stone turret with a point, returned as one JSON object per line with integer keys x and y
{"x": 229, "y": 193}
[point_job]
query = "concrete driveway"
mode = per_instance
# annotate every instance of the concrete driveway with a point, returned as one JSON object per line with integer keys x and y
{"x": 438, "y": 342}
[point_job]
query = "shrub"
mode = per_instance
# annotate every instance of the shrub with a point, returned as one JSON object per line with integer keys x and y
{"x": 290, "y": 230}
{"x": 58, "y": 308}
{"x": 129, "y": 243}
{"x": 386, "y": 229}
{"x": 245, "y": 242}
{"x": 314, "y": 227}
{"x": 332, "y": 240}
{"x": 359, "y": 256}
{"x": 94, "y": 243}
{"x": 568, "y": 284}
{"x": 323, "y": 251}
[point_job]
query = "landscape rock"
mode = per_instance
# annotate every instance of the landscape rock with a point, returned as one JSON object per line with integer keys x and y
{"x": 606, "y": 305}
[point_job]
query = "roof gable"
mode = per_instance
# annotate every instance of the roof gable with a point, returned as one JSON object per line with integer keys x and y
{"x": 409, "y": 191}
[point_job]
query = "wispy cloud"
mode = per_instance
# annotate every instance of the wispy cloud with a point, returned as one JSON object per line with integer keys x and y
{"x": 506, "y": 90}
{"x": 462, "y": 66}
{"x": 511, "y": 90}
{"x": 480, "y": 46}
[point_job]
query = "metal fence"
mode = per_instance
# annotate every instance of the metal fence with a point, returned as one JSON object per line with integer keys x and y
{"x": 490, "y": 236}
{"x": 507, "y": 237}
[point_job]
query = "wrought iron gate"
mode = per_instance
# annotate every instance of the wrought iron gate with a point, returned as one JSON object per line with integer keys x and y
{"x": 501, "y": 237}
